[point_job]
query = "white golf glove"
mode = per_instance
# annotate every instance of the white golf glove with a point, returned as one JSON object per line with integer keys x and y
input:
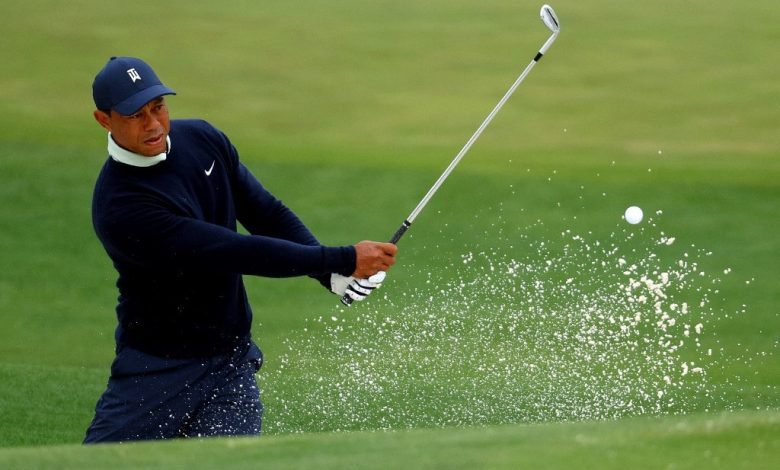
{"x": 355, "y": 289}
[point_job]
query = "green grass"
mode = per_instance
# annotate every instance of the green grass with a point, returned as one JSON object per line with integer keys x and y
{"x": 665, "y": 105}
{"x": 745, "y": 440}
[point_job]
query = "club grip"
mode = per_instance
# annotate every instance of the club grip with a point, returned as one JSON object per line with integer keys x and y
{"x": 400, "y": 232}
{"x": 346, "y": 299}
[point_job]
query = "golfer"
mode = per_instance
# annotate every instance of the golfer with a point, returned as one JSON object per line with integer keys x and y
{"x": 165, "y": 207}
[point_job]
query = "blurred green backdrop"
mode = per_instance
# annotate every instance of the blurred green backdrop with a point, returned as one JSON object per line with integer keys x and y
{"x": 348, "y": 111}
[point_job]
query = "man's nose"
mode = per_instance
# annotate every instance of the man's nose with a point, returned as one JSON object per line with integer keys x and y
{"x": 150, "y": 121}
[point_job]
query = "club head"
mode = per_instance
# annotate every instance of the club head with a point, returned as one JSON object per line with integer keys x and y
{"x": 550, "y": 19}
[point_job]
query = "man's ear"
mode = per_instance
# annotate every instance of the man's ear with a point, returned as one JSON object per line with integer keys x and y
{"x": 103, "y": 119}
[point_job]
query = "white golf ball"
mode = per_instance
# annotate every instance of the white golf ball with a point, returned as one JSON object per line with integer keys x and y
{"x": 633, "y": 215}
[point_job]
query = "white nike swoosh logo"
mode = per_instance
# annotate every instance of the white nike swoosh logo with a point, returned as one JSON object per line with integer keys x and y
{"x": 208, "y": 172}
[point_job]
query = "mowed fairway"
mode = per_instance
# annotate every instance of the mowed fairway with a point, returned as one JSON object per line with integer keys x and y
{"x": 348, "y": 111}
{"x": 736, "y": 441}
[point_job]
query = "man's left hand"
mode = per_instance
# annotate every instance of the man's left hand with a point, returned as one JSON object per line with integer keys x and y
{"x": 356, "y": 289}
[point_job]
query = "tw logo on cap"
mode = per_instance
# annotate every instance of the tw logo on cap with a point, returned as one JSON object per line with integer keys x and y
{"x": 126, "y": 84}
{"x": 134, "y": 75}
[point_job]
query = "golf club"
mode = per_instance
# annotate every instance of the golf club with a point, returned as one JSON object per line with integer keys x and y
{"x": 550, "y": 20}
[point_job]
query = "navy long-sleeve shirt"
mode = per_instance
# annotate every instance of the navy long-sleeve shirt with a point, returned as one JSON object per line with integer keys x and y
{"x": 170, "y": 230}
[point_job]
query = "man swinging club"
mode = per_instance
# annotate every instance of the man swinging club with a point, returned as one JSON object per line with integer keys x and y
{"x": 165, "y": 207}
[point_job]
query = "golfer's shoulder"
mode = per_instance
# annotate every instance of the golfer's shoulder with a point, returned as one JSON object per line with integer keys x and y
{"x": 195, "y": 128}
{"x": 192, "y": 125}
{"x": 197, "y": 132}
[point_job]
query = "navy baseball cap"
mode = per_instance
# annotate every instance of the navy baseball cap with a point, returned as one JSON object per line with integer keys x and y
{"x": 126, "y": 84}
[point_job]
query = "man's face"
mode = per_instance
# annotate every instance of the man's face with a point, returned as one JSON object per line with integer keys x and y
{"x": 144, "y": 132}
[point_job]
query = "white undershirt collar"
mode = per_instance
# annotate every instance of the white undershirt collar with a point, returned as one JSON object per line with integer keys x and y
{"x": 134, "y": 159}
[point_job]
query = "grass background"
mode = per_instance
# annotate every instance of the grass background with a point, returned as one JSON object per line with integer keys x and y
{"x": 668, "y": 105}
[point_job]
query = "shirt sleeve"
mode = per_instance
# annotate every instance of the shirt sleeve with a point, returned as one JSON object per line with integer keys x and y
{"x": 261, "y": 213}
{"x": 144, "y": 232}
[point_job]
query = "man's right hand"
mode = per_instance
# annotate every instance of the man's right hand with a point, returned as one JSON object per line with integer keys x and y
{"x": 372, "y": 257}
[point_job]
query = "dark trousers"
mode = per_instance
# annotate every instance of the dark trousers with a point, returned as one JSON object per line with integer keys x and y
{"x": 149, "y": 397}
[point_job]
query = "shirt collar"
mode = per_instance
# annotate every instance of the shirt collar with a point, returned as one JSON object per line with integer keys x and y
{"x": 134, "y": 159}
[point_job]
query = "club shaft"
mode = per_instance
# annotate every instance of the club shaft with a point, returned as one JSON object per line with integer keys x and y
{"x": 409, "y": 220}
{"x": 346, "y": 299}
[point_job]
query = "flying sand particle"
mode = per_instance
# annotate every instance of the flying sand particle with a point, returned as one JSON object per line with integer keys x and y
{"x": 506, "y": 336}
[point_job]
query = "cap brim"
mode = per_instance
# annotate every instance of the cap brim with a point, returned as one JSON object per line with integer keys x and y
{"x": 138, "y": 100}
